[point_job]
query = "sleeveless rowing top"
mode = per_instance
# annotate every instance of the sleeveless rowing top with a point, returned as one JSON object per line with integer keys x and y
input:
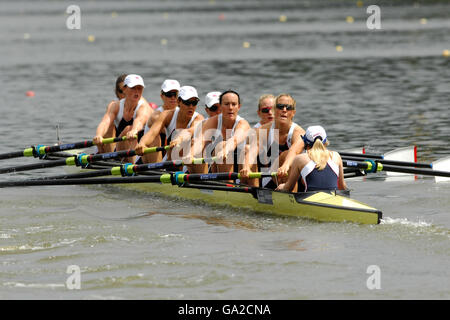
{"x": 217, "y": 137}
{"x": 281, "y": 148}
{"x": 315, "y": 179}
{"x": 170, "y": 129}
{"x": 121, "y": 123}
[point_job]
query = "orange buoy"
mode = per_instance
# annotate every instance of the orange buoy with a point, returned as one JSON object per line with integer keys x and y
{"x": 29, "y": 93}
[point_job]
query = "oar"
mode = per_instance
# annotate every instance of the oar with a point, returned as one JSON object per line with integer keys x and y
{"x": 172, "y": 178}
{"x": 392, "y": 162}
{"x": 41, "y": 150}
{"x": 374, "y": 166}
{"x": 399, "y": 154}
{"x": 80, "y": 160}
{"x": 361, "y": 155}
{"x": 58, "y": 182}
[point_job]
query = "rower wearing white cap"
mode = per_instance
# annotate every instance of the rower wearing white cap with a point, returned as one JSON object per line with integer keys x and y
{"x": 282, "y": 136}
{"x": 127, "y": 116}
{"x": 169, "y": 96}
{"x": 172, "y": 122}
{"x": 212, "y": 104}
{"x": 318, "y": 168}
{"x": 222, "y": 135}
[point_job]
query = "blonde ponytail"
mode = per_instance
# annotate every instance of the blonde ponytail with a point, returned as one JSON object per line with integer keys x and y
{"x": 319, "y": 154}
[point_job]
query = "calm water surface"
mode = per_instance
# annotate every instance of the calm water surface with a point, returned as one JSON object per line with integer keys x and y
{"x": 385, "y": 89}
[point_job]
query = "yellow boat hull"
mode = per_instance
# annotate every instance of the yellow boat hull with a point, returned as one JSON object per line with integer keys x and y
{"x": 321, "y": 206}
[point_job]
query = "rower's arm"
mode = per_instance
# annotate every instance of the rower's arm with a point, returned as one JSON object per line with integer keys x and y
{"x": 297, "y": 165}
{"x": 153, "y": 118}
{"x": 240, "y": 135}
{"x": 341, "y": 181}
{"x": 107, "y": 120}
{"x": 296, "y": 148}
{"x": 156, "y": 128}
{"x": 251, "y": 152}
{"x": 188, "y": 133}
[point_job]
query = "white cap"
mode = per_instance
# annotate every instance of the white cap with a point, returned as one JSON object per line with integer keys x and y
{"x": 314, "y": 132}
{"x": 169, "y": 85}
{"x": 212, "y": 98}
{"x": 133, "y": 80}
{"x": 188, "y": 92}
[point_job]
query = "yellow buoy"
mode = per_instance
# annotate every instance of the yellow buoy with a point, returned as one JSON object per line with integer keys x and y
{"x": 91, "y": 38}
{"x": 446, "y": 53}
{"x": 423, "y": 21}
{"x": 26, "y": 36}
{"x": 349, "y": 19}
{"x": 163, "y": 42}
{"x": 359, "y": 3}
{"x": 283, "y": 18}
{"x": 339, "y": 48}
{"x": 114, "y": 14}
{"x": 246, "y": 44}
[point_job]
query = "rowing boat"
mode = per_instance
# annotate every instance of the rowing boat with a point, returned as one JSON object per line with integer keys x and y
{"x": 326, "y": 206}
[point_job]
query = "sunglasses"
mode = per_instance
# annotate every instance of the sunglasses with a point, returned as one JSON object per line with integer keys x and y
{"x": 266, "y": 110}
{"x": 170, "y": 94}
{"x": 287, "y": 106}
{"x": 189, "y": 102}
{"x": 213, "y": 108}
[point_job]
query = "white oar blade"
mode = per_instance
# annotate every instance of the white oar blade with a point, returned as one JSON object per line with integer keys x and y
{"x": 442, "y": 165}
{"x": 408, "y": 154}
{"x": 355, "y": 150}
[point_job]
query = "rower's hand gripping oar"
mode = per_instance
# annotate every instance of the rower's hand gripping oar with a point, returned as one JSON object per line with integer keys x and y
{"x": 42, "y": 150}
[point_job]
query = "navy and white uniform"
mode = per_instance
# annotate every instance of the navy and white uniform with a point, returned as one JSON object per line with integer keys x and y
{"x": 217, "y": 137}
{"x": 315, "y": 179}
{"x": 170, "y": 129}
{"x": 121, "y": 123}
{"x": 268, "y": 182}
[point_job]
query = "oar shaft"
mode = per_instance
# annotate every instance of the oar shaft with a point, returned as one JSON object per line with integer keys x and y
{"x": 393, "y": 162}
{"x": 33, "y": 166}
{"x": 53, "y": 182}
{"x": 361, "y": 156}
{"x": 41, "y": 150}
{"x": 385, "y": 167}
{"x": 79, "y": 160}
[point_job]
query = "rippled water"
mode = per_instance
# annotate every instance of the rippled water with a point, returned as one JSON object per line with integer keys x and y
{"x": 387, "y": 88}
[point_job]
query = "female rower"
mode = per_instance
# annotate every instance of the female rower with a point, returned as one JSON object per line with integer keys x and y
{"x": 126, "y": 117}
{"x": 222, "y": 135}
{"x": 318, "y": 168}
{"x": 212, "y": 104}
{"x": 170, "y": 89}
{"x": 266, "y": 104}
{"x": 276, "y": 144}
{"x": 172, "y": 122}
